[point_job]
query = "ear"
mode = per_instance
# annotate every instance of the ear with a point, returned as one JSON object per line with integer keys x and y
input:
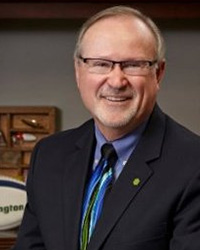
{"x": 160, "y": 71}
{"x": 76, "y": 68}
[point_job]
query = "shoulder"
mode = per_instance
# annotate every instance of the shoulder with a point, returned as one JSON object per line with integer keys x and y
{"x": 178, "y": 150}
{"x": 174, "y": 132}
{"x": 176, "y": 141}
{"x": 181, "y": 135}
{"x": 181, "y": 149}
{"x": 68, "y": 137}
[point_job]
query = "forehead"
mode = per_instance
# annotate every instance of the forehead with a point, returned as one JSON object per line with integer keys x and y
{"x": 118, "y": 34}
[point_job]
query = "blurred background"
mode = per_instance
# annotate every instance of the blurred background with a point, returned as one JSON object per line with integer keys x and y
{"x": 36, "y": 57}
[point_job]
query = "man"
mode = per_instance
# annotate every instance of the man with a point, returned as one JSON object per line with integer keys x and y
{"x": 154, "y": 200}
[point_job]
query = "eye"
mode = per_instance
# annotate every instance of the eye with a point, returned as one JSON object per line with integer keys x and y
{"x": 132, "y": 64}
{"x": 100, "y": 63}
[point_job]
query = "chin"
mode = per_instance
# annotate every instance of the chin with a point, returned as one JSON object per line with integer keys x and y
{"x": 116, "y": 122}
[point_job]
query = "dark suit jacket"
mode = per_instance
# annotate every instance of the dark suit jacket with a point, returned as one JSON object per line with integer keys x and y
{"x": 162, "y": 212}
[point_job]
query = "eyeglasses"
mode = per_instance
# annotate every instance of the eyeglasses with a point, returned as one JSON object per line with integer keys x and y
{"x": 132, "y": 67}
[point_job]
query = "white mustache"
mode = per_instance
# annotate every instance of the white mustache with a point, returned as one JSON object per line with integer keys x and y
{"x": 117, "y": 94}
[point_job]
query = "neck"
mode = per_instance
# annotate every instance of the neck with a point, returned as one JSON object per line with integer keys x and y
{"x": 112, "y": 133}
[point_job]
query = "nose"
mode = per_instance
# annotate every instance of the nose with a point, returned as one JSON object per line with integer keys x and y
{"x": 116, "y": 78}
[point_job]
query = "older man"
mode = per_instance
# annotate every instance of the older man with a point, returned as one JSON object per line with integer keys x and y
{"x": 145, "y": 192}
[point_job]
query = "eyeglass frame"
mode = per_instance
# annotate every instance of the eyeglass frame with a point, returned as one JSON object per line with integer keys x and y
{"x": 149, "y": 64}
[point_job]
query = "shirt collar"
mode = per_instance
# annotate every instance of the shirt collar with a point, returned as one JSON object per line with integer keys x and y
{"x": 123, "y": 146}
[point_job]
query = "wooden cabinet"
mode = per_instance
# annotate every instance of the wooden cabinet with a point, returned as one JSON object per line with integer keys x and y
{"x": 20, "y": 129}
{"x": 7, "y": 239}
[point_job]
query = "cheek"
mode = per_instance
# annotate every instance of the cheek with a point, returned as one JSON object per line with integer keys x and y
{"x": 146, "y": 88}
{"x": 151, "y": 89}
{"x": 89, "y": 84}
{"x": 139, "y": 85}
{"x": 81, "y": 79}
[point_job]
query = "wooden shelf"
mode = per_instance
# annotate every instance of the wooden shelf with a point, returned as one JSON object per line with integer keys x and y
{"x": 7, "y": 239}
{"x": 27, "y": 130}
{"x": 16, "y": 123}
{"x": 15, "y": 155}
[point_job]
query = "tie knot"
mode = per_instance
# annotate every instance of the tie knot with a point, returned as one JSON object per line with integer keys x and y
{"x": 108, "y": 152}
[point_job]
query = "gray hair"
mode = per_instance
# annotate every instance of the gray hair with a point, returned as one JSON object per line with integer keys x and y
{"x": 123, "y": 11}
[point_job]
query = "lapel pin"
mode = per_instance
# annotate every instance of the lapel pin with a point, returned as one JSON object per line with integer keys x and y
{"x": 136, "y": 182}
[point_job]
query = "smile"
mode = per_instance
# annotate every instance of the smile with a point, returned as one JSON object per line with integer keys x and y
{"x": 116, "y": 98}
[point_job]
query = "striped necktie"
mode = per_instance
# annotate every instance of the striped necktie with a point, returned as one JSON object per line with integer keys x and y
{"x": 99, "y": 183}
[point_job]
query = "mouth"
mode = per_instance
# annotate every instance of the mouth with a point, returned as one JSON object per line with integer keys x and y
{"x": 116, "y": 98}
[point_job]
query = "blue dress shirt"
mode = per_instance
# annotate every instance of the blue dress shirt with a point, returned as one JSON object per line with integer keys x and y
{"x": 123, "y": 146}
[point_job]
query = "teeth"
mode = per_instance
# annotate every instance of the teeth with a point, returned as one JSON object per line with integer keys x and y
{"x": 115, "y": 99}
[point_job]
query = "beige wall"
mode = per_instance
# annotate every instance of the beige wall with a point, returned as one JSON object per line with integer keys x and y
{"x": 36, "y": 68}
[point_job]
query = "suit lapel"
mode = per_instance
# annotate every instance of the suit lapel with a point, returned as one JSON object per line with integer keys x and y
{"x": 122, "y": 194}
{"x": 77, "y": 164}
{"x": 132, "y": 179}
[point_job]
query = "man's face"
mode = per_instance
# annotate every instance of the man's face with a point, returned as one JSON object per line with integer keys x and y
{"x": 117, "y": 101}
